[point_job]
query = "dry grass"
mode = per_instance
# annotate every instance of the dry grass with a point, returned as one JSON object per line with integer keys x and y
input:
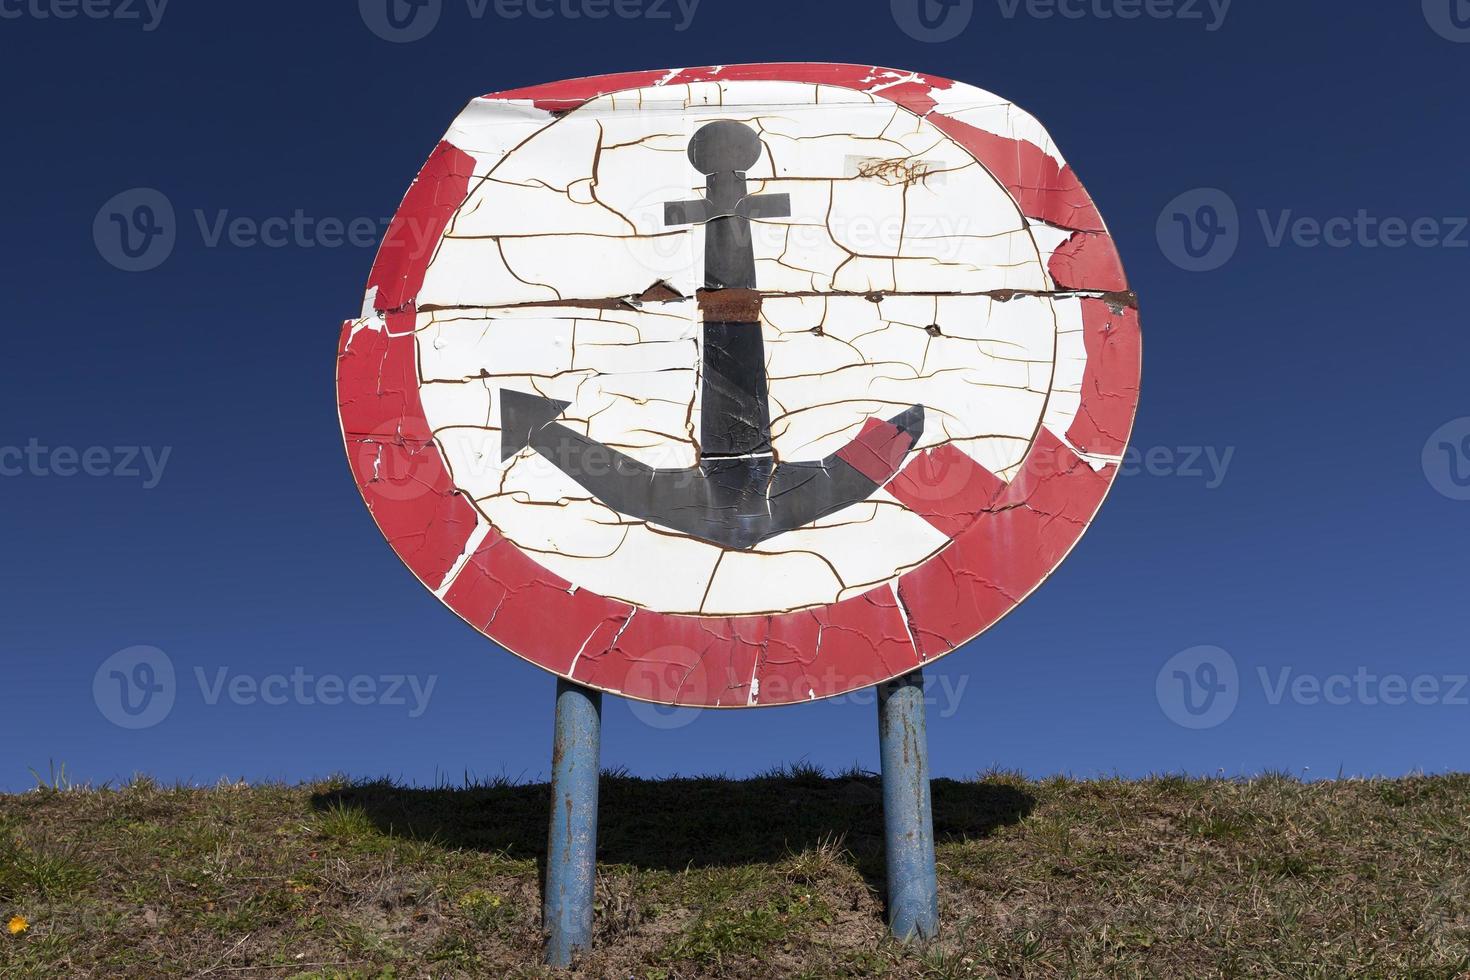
{"x": 778, "y": 876}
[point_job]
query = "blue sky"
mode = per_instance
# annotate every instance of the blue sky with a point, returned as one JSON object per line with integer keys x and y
{"x": 1277, "y": 581}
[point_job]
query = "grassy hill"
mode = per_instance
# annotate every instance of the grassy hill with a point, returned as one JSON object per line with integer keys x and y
{"x": 778, "y": 876}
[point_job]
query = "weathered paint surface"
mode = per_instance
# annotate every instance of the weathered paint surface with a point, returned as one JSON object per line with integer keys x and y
{"x": 571, "y": 847}
{"x": 876, "y": 384}
{"x": 908, "y": 821}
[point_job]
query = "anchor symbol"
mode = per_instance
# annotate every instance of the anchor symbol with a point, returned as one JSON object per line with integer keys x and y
{"x": 737, "y": 495}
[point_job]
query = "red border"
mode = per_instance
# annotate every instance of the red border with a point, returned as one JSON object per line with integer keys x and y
{"x": 1007, "y": 537}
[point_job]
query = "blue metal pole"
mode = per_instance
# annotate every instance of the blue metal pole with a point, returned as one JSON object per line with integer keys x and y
{"x": 571, "y": 850}
{"x": 908, "y": 820}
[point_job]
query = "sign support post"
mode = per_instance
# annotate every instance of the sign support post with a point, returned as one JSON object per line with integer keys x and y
{"x": 908, "y": 819}
{"x": 571, "y": 850}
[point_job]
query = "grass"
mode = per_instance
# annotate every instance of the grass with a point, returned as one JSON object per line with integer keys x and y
{"x": 777, "y": 876}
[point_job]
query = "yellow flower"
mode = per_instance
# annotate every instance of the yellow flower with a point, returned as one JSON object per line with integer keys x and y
{"x": 17, "y": 925}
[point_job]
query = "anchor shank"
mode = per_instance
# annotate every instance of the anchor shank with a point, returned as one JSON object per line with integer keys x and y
{"x": 735, "y": 418}
{"x": 729, "y": 257}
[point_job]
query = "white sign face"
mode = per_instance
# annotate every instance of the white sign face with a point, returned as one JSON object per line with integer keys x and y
{"x": 746, "y": 348}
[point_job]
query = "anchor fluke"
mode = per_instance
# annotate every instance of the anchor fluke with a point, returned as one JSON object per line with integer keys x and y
{"x": 910, "y": 422}
{"x": 521, "y": 417}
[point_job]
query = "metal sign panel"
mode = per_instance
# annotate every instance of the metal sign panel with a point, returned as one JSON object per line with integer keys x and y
{"x": 743, "y": 385}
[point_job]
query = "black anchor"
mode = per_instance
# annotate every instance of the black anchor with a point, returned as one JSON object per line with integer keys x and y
{"x": 737, "y": 495}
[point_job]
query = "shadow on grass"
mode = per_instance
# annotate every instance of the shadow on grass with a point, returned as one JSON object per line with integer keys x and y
{"x": 671, "y": 824}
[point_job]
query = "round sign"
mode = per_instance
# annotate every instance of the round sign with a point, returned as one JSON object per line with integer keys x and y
{"x": 744, "y": 385}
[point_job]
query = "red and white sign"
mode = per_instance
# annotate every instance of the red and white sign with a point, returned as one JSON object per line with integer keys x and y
{"x": 743, "y": 385}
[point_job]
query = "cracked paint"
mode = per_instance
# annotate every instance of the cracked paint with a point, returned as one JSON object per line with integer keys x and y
{"x": 903, "y": 356}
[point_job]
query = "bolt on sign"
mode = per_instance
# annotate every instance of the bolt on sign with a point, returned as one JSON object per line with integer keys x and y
{"x": 744, "y": 385}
